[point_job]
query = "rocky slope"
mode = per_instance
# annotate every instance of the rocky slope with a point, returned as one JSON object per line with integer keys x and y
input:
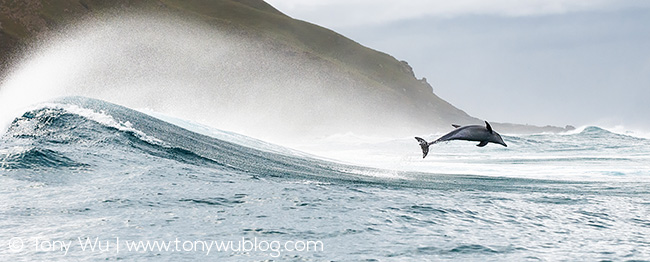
{"x": 407, "y": 102}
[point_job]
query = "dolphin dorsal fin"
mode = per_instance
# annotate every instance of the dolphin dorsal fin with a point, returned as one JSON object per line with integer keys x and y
{"x": 489, "y": 128}
{"x": 455, "y": 125}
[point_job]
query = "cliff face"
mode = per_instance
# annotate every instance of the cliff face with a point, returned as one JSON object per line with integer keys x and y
{"x": 392, "y": 83}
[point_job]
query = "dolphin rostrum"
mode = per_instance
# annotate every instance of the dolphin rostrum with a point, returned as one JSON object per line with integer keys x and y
{"x": 483, "y": 134}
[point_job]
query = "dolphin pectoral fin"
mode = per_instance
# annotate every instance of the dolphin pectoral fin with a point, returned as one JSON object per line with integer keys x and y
{"x": 482, "y": 144}
{"x": 455, "y": 125}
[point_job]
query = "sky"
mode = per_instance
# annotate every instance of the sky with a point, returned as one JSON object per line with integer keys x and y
{"x": 557, "y": 62}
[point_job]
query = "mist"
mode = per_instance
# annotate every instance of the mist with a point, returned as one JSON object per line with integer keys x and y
{"x": 578, "y": 69}
{"x": 562, "y": 63}
{"x": 194, "y": 71}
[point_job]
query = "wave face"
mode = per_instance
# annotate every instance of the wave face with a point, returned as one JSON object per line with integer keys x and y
{"x": 83, "y": 168}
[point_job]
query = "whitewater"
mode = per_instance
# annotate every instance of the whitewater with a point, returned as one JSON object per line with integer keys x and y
{"x": 121, "y": 141}
{"x": 78, "y": 173}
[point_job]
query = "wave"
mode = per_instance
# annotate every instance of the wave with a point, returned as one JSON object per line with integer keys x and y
{"x": 588, "y": 154}
{"x": 621, "y": 131}
{"x": 82, "y": 130}
{"x": 35, "y": 158}
{"x": 222, "y": 79}
{"x": 76, "y": 133}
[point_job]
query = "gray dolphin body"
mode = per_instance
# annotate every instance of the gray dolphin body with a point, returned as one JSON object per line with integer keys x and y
{"x": 482, "y": 134}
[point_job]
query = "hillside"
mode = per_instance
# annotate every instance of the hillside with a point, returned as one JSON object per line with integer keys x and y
{"x": 409, "y": 102}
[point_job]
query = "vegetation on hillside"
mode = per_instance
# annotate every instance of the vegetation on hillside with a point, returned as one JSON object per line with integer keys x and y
{"x": 22, "y": 21}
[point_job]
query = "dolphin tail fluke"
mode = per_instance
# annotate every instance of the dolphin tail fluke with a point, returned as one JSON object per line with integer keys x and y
{"x": 424, "y": 145}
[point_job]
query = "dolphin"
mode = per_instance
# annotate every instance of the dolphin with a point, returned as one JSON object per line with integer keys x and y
{"x": 483, "y": 134}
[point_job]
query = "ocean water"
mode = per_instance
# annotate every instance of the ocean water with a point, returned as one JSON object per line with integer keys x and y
{"x": 85, "y": 180}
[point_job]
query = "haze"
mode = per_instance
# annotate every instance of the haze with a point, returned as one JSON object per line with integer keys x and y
{"x": 186, "y": 69}
{"x": 535, "y": 62}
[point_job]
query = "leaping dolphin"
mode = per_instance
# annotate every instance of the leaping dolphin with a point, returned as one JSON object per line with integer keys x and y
{"x": 483, "y": 134}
